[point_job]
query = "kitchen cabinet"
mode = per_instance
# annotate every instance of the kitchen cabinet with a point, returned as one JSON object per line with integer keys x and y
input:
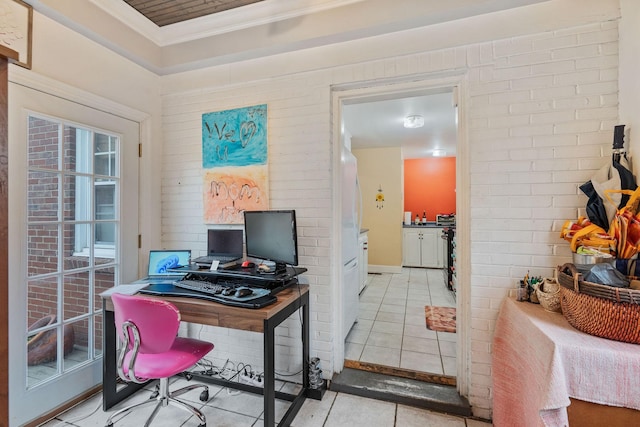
{"x": 423, "y": 247}
{"x": 363, "y": 259}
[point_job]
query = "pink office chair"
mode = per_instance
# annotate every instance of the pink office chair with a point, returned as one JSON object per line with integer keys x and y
{"x": 150, "y": 349}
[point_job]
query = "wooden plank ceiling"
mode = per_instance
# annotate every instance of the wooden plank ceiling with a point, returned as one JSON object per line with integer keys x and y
{"x": 166, "y": 12}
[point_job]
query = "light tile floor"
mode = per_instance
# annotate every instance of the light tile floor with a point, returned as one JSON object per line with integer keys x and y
{"x": 227, "y": 408}
{"x": 391, "y": 328}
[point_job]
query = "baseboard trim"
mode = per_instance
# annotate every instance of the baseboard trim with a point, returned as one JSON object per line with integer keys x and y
{"x": 384, "y": 269}
{"x": 63, "y": 407}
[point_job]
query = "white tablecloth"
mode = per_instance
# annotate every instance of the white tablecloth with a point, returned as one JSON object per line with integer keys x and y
{"x": 539, "y": 361}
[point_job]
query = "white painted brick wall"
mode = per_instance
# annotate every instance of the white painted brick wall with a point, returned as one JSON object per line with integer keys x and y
{"x": 298, "y": 120}
{"x": 541, "y": 108}
{"x": 562, "y": 106}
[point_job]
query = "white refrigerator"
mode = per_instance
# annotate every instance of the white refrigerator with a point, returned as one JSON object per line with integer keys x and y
{"x": 350, "y": 232}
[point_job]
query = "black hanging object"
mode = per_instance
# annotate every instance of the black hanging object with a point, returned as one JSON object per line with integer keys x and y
{"x": 618, "y": 137}
{"x": 596, "y": 210}
{"x": 627, "y": 180}
{"x": 618, "y": 144}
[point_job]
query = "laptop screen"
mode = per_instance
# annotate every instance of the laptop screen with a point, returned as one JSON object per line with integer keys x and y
{"x": 161, "y": 260}
{"x": 224, "y": 242}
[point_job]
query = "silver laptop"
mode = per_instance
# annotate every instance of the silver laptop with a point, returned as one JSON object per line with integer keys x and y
{"x": 162, "y": 261}
{"x": 224, "y": 246}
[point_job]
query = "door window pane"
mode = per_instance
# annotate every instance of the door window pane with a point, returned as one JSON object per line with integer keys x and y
{"x": 42, "y": 361}
{"x": 105, "y": 208}
{"x": 42, "y": 249}
{"x": 76, "y": 339}
{"x": 77, "y": 149}
{"x": 42, "y": 295}
{"x": 76, "y": 291}
{"x": 75, "y": 246}
{"x": 77, "y": 198}
{"x": 105, "y": 155}
{"x": 44, "y": 140}
{"x": 43, "y": 196}
{"x": 104, "y": 256}
{"x": 104, "y": 278}
{"x": 72, "y": 227}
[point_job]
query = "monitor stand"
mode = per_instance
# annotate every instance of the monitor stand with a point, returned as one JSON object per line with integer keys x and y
{"x": 283, "y": 273}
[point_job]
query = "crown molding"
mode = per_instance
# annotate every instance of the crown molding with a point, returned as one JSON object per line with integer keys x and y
{"x": 264, "y": 12}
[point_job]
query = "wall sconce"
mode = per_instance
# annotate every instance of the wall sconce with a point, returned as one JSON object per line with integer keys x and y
{"x": 413, "y": 122}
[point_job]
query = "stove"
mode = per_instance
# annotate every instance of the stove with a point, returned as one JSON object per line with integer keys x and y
{"x": 449, "y": 235}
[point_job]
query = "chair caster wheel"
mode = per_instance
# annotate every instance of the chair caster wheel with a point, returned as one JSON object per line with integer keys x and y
{"x": 204, "y": 396}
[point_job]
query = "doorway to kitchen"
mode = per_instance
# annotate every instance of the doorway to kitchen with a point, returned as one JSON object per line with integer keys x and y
{"x": 390, "y": 334}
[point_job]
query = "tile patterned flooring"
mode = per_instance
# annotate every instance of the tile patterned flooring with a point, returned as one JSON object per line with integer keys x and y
{"x": 391, "y": 328}
{"x": 227, "y": 408}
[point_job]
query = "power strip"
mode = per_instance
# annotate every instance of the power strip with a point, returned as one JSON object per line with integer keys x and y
{"x": 254, "y": 380}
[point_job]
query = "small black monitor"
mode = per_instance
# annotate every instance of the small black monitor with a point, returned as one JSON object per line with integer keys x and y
{"x": 224, "y": 242}
{"x": 272, "y": 236}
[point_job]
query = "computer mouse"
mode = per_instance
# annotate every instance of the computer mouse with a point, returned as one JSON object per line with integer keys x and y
{"x": 248, "y": 264}
{"x": 228, "y": 291}
{"x": 243, "y": 292}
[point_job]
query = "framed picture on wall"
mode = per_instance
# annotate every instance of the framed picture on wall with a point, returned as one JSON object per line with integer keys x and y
{"x": 16, "y": 28}
{"x": 235, "y": 163}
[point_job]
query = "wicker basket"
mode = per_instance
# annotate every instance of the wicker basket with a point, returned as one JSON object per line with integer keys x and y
{"x": 600, "y": 310}
{"x": 548, "y": 293}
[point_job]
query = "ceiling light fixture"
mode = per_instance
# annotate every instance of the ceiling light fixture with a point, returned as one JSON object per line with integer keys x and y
{"x": 438, "y": 153}
{"x": 413, "y": 122}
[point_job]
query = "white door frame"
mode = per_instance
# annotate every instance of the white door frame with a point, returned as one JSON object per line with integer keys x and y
{"x": 90, "y": 374}
{"x": 456, "y": 79}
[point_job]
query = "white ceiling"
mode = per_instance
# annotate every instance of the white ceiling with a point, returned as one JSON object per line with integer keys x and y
{"x": 380, "y": 123}
{"x": 257, "y": 30}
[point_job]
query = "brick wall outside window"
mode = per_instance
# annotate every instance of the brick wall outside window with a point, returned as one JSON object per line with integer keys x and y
{"x": 42, "y": 238}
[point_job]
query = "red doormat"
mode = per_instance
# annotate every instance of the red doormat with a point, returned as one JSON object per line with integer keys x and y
{"x": 441, "y": 319}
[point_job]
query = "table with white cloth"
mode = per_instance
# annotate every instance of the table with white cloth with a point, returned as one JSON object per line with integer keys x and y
{"x": 540, "y": 362}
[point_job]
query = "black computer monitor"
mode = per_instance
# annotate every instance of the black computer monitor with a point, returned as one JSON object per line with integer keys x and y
{"x": 272, "y": 236}
{"x": 225, "y": 242}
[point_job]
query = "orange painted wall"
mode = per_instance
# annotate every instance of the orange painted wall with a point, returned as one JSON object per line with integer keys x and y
{"x": 430, "y": 185}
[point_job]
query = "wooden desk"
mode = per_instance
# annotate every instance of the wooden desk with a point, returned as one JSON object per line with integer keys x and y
{"x": 545, "y": 372}
{"x": 263, "y": 320}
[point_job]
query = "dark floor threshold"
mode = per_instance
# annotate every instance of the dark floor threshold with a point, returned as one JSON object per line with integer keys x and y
{"x": 435, "y": 397}
{"x": 400, "y": 372}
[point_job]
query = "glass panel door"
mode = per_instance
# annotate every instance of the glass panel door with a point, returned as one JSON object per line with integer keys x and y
{"x": 75, "y": 238}
{"x": 60, "y": 302}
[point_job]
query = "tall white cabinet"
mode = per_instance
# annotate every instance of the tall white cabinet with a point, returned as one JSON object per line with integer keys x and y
{"x": 423, "y": 247}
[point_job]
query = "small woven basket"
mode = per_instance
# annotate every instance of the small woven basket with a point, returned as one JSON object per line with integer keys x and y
{"x": 548, "y": 293}
{"x": 599, "y": 310}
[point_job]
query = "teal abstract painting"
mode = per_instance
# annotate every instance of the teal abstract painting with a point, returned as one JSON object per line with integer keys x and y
{"x": 235, "y": 137}
{"x": 235, "y": 163}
